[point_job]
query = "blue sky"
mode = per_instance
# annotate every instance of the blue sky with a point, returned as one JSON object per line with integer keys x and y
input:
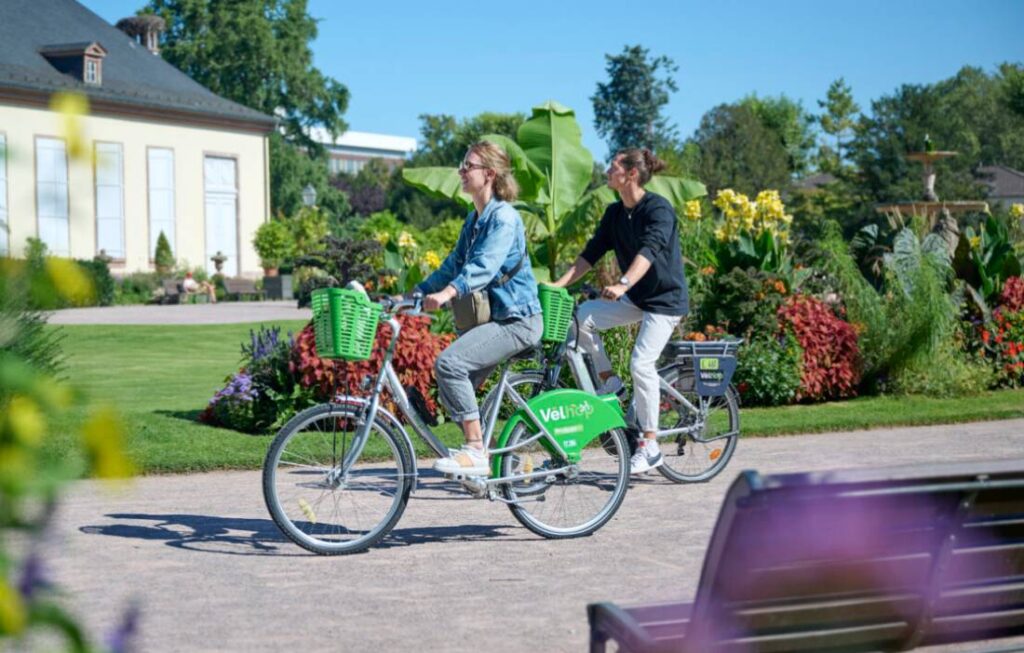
{"x": 400, "y": 58}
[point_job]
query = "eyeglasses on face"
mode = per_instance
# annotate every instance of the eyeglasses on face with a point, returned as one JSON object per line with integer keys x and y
{"x": 466, "y": 166}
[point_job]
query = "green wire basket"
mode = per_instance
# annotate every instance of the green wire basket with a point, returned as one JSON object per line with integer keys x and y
{"x": 557, "y": 305}
{"x": 345, "y": 323}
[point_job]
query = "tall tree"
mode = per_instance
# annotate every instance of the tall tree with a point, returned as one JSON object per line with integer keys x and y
{"x": 737, "y": 151}
{"x": 257, "y": 53}
{"x": 791, "y": 124}
{"x": 628, "y": 108}
{"x": 966, "y": 113}
{"x": 838, "y": 120}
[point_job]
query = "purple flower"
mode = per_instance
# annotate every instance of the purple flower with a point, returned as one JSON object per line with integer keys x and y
{"x": 122, "y": 639}
{"x": 239, "y": 388}
{"x": 33, "y": 577}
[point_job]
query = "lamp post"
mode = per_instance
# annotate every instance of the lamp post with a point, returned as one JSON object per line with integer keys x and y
{"x": 309, "y": 195}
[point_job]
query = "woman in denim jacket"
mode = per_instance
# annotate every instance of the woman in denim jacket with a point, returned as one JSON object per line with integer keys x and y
{"x": 491, "y": 245}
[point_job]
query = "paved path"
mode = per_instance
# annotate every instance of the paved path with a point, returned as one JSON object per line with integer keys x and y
{"x": 219, "y": 313}
{"x": 211, "y": 572}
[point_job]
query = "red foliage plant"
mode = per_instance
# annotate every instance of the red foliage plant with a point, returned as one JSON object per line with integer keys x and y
{"x": 415, "y": 353}
{"x": 831, "y": 355}
{"x": 1012, "y": 296}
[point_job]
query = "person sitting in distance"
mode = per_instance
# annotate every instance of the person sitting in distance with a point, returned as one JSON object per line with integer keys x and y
{"x": 189, "y": 285}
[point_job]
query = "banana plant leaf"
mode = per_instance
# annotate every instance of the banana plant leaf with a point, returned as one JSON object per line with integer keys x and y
{"x": 584, "y": 217}
{"x": 441, "y": 183}
{"x": 531, "y": 179}
{"x": 676, "y": 190}
{"x": 552, "y": 140}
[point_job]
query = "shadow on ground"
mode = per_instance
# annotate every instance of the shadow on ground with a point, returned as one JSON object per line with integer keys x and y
{"x": 239, "y": 536}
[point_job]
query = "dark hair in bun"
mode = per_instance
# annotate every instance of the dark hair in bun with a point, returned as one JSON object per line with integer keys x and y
{"x": 642, "y": 160}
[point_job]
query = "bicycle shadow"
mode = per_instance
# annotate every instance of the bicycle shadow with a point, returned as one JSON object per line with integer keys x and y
{"x": 241, "y": 536}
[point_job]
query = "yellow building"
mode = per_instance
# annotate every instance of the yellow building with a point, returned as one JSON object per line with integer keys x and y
{"x": 164, "y": 154}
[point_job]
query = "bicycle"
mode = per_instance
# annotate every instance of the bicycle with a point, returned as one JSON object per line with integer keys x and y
{"x": 699, "y": 421}
{"x": 338, "y": 476}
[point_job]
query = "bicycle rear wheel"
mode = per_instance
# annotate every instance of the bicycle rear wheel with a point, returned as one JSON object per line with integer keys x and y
{"x": 317, "y": 506}
{"x": 565, "y": 504}
{"x": 700, "y": 456}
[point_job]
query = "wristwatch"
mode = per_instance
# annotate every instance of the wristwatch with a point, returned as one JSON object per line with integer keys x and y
{"x": 624, "y": 280}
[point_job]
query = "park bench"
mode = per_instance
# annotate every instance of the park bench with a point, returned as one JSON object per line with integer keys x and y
{"x": 172, "y": 291}
{"x": 858, "y": 560}
{"x": 241, "y": 288}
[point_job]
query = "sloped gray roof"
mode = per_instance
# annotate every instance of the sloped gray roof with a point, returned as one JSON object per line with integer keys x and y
{"x": 132, "y": 75}
{"x": 1002, "y": 181}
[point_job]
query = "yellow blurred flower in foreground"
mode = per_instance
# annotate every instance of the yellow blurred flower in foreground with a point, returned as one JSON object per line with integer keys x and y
{"x": 1017, "y": 210}
{"x": 12, "y": 610}
{"x": 70, "y": 280}
{"x": 71, "y": 107}
{"x": 25, "y": 421}
{"x": 103, "y": 437}
{"x": 432, "y": 260}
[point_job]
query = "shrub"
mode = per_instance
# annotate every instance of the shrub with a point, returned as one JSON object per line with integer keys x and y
{"x": 274, "y": 243}
{"x": 163, "y": 258}
{"x": 102, "y": 280}
{"x": 769, "y": 370}
{"x": 263, "y": 394}
{"x": 415, "y": 353}
{"x": 744, "y": 302}
{"x": 830, "y": 353}
{"x": 136, "y": 288}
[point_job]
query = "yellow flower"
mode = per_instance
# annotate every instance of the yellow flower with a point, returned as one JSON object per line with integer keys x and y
{"x": 975, "y": 242}
{"x": 387, "y": 280}
{"x": 692, "y": 210}
{"x": 405, "y": 239}
{"x": 382, "y": 238}
{"x": 13, "y": 614}
{"x": 103, "y": 437}
{"x": 71, "y": 107}
{"x": 1017, "y": 210}
{"x": 25, "y": 421}
{"x": 432, "y": 260}
{"x": 720, "y": 234}
{"x": 69, "y": 280}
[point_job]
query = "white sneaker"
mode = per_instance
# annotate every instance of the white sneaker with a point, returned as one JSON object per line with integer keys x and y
{"x": 612, "y": 385}
{"x": 646, "y": 458}
{"x": 467, "y": 461}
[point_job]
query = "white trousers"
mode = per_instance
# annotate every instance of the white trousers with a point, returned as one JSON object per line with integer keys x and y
{"x": 655, "y": 331}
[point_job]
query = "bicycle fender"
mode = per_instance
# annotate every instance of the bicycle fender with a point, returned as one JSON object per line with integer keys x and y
{"x": 572, "y": 417}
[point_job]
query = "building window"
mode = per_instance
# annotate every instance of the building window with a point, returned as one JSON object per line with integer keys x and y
{"x": 52, "y": 195}
{"x": 161, "y": 197}
{"x": 109, "y": 200}
{"x": 92, "y": 71}
{"x": 5, "y": 238}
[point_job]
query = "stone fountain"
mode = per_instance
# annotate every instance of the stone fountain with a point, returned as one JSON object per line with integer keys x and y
{"x": 939, "y": 213}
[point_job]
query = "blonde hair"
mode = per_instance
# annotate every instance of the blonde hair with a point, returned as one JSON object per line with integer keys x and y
{"x": 494, "y": 158}
{"x": 643, "y": 161}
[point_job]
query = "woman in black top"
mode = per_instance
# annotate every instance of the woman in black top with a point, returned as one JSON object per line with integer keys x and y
{"x": 642, "y": 229}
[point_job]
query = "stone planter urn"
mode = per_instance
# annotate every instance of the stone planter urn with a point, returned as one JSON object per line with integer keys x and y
{"x": 218, "y": 262}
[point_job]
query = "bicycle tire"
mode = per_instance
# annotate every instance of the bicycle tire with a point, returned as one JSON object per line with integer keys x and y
{"x": 599, "y": 474}
{"x": 297, "y": 482}
{"x": 686, "y": 459}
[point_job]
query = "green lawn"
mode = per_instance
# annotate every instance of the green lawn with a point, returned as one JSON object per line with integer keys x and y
{"x": 160, "y": 377}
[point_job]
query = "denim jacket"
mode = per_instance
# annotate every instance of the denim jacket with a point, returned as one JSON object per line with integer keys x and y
{"x": 499, "y": 242}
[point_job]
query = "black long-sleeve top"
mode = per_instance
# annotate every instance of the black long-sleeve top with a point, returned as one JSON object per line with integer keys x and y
{"x": 648, "y": 229}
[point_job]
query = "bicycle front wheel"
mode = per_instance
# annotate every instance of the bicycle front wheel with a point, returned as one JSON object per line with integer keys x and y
{"x": 573, "y": 500}
{"x": 319, "y": 497}
{"x": 702, "y": 454}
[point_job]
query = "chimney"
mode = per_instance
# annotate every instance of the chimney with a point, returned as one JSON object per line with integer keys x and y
{"x": 145, "y": 29}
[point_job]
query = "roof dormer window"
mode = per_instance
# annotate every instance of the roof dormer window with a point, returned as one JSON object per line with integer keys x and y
{"x": 83, "y": 61}
{"x": 92, "y": 71}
